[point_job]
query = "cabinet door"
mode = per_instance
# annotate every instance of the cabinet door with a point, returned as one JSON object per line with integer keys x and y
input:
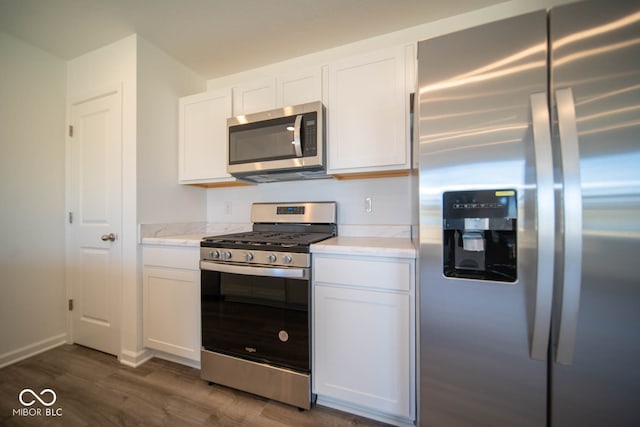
{"x": 299, "y": 87}
{"x": 368, "y": 113}
{"x": 362, "y": 348}
{"x": 203, "y": 137}
{"x": 254, "y": 96}
{"x": 171, "y": 311}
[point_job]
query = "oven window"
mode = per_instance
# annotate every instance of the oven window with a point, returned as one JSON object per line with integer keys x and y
{"x": 264, "y": 319}
{"x": 270, "y": 140}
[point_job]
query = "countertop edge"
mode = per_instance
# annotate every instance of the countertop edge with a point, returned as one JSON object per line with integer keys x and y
{"x": 178, "y": 240}
{"x": 394, "y": 247}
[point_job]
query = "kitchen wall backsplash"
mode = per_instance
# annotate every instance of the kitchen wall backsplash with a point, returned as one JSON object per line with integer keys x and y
{"x": 172, "y": 229}
{"x": 229, "y": 209}
{"x": 375, "y": 230}
{"x": 189, "y": 229}
{"x": 389, "y": 199}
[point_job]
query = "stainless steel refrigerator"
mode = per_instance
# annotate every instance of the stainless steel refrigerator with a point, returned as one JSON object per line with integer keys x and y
{"x": 528, "y": 151}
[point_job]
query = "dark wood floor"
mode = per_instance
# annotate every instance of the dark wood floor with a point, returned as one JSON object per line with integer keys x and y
{"x": 94, "y": 389}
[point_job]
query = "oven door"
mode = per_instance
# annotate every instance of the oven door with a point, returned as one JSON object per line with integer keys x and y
{"x": 257, "y": 313}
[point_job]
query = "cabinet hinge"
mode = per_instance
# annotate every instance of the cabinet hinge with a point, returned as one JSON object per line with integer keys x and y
{"x": 71, "y": 305}
{"x": 70, "y": 217}
{"x": 70, "y": 131}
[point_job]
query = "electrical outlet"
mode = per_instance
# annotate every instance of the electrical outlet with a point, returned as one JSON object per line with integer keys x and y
{"x": 368, "y": 204}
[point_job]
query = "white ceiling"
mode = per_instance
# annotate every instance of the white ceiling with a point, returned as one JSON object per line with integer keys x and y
{"x": 218, "y": 37}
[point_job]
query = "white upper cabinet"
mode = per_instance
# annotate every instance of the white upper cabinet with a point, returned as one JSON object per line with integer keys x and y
{"x": 254, "y": 96}
{"x": 299, "y": 87}
{"x": 368, "y": 123}
{"x": 288, "y": 88}
{"x": 368, "y": 109}
{"x": 202, "y": 139}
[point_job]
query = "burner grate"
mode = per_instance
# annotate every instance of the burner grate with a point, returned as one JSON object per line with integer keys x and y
{"x": 270, "y": 238}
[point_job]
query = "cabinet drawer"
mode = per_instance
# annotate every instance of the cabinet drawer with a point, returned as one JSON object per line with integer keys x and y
{"x": 370, "y": 273}
{"x": 187, "y": 257}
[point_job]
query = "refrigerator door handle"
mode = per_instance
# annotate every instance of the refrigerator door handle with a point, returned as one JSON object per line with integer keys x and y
{"x": 572, "y": 218}
{"x": 545, "y": 205}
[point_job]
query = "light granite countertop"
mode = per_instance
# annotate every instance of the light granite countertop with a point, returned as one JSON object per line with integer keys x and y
{"x": 386, "y": 241}
{"x": 399, "y": 247}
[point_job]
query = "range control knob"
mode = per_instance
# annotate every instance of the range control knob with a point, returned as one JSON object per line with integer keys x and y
{"x": 248, "y": 256}
{"x": 214, "y": 254}
{"x": 272, "y": 258}
{"x": 287, "y": 259}
{"x": 227, "y": 255}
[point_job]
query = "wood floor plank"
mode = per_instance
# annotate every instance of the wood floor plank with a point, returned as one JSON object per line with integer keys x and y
{"x": 94, "y": 389}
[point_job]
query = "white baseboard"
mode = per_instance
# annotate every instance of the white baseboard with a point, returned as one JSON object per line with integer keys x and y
{"x": 134, "y": 359}
{"x": 364, "y": 412}
{"x": 177, "y": 359}
{"x": 27, "y": 351}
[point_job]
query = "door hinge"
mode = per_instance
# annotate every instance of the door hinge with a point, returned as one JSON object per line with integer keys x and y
{"x": 70, "y": 217}
{"x": 70, "y": 131}
{"x": 71, "y": 305}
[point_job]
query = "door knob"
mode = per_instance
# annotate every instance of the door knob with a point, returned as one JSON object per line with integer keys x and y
{"x": 111, "y": 237}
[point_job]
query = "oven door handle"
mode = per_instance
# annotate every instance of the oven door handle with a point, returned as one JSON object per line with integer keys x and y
{"x": 252, "y": 270}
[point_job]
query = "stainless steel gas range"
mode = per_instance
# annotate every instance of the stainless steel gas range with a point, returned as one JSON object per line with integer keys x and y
{"x": 255, "y": 300}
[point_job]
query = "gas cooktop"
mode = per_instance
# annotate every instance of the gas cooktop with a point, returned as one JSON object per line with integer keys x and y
{"x": 267, "y": 239}
{"x": 280, "y": 230}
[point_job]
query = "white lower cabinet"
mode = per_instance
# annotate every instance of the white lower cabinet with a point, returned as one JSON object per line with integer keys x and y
{"x": 171, "y": 301}
{"x": 364, "y": 336}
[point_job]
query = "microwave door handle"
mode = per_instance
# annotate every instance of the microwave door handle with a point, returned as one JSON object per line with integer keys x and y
{"x": 297, "y": 145}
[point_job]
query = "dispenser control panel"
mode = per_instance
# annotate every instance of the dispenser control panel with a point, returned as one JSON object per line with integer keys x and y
{"x": 479, "y": 235}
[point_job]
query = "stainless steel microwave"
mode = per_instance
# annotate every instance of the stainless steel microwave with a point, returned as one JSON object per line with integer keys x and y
{"x": 278, "y": 145}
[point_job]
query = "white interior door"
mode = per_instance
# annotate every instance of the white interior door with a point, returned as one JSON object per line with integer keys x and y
{"x": 95, "y": 258}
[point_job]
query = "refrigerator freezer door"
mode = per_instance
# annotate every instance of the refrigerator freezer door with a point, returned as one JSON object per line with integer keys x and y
{"x": 595, "y": 52}
{"x": 475, "y": 133}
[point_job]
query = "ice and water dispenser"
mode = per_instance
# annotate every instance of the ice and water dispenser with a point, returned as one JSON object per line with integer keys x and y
{"x": 479, "y": 235}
